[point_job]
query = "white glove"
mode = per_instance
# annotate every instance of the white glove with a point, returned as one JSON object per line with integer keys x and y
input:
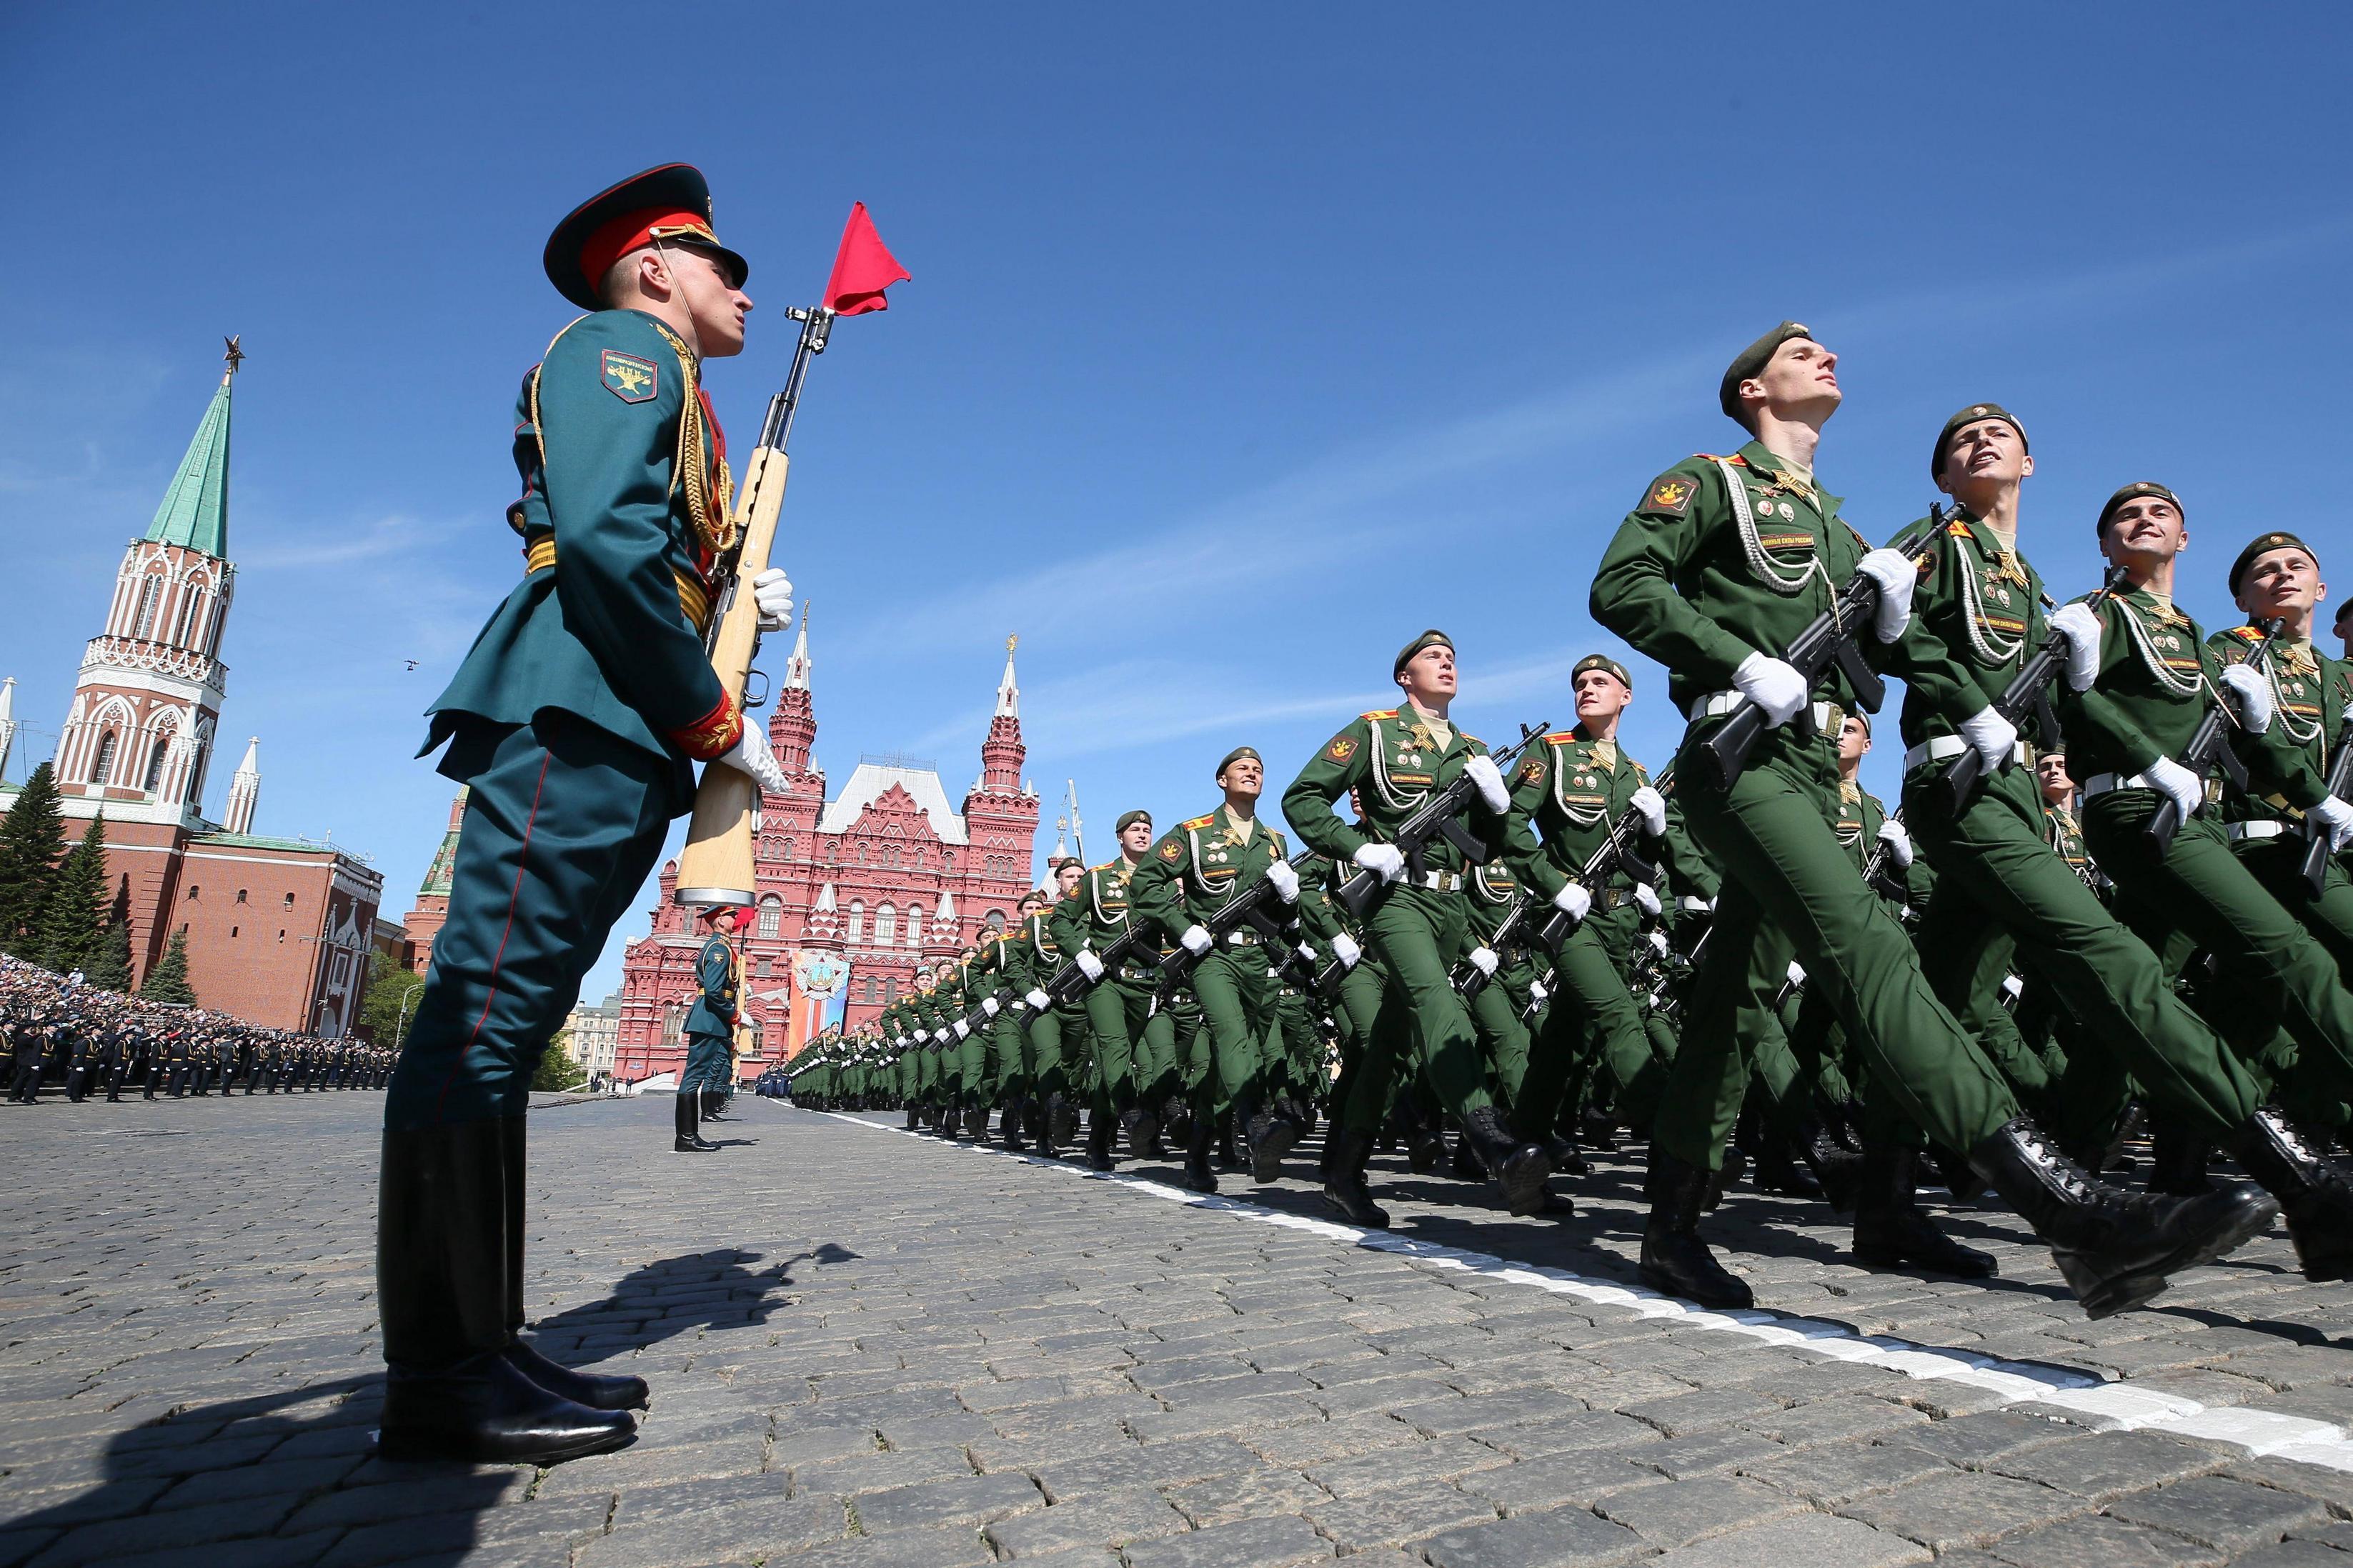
{"x": 2255, "y": 695}
{"x": 2169, "y": 777}
{"x": 1892, "y": 833}
{"x": 1039, "y": 1001}
{"x": 1385, "y": 861}
{"x": 1089, "y": 964}
{"x": 1482, "y": 771}
{"x": 1197, "y": 941}
{"x": 1483, "y": 960}
{"x": 988, "y": 1005}
{"x": 2336, "y": 819}
{"x": 1285, "y": 880}
{"x": 2080, "y": 625}
{"x": 1654, "y": 807}
{"x": 1659, "y": 943}
{"x": 1574, "y": 899}
{"x": 1345, "y": 948}
{"x": 1992, "y": 737}
{"x": 1307, "y": 953}
{"x": 750, "y": 756}
{"x": 773, "y": 592}
{"x": 1537, "y": 992}
{"x": 1797, "y": 973}
{"x": 1646, "y": 897}
{"x": 2012, "y": 986}
{"x": 1893, "y": 570}
{"x": 1773, "y": 685}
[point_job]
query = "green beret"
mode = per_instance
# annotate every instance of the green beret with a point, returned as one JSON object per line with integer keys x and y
{"x": 2344, "y": 612}
{"x": 1970, "y": 416}
{"x": 1602, "y": 662}
{"x": 1231, "y": 757}
{"x": 1128, "y": 819}
{"x": 1432, "y": 637}
{"x": 2134, "y": 491}
{"x": 2263, "y": 544}
{"x": 1751, "y": 360}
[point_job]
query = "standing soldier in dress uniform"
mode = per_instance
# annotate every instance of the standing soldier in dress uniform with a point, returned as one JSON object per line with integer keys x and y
{"x": 575, "y": 720}
{"x": 1719, "y": 566}
{"x": 710, "y": 1029}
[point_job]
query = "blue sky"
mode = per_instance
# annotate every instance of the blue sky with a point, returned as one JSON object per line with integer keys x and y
{"x": 1243, "y": 342}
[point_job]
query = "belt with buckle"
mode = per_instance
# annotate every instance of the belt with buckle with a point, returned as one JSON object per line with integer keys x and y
{"x": 1828, "y": 716}
{"x": 2255, "y": 830}
{"x": 1243, "y": 939}
{"x": 692, "y": 596}
{"x": 2101, "y": 783}
{"x": 1944, "y": 748}
{"x": 1439, "y": 882}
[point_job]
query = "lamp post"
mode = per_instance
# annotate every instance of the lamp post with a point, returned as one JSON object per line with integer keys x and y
{"x": 401, "y": 1022}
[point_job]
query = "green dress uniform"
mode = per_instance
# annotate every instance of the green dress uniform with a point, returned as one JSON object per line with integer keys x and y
{"x": 1133, "y": 1066}
{"x": 2310, "y": 693}
{"x": 710, "y": 1026}
{"x": 1495, "y": 1012}
{"x": 1052, "y": 1035}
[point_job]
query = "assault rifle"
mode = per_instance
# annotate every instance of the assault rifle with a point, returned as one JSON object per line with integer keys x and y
{"x": 1875, "y": 873}
{"x": 1070, "y": 983}
{"x": 1830, "y": 638}
{"x": 1248, "y": 907}
{"x": 1616, "y": 853}
{"x": 1512, "y": 932}
{"x": 1435, "y": 818}
{"x": 1958, "y": 788}
{"x": 2210, "y": 748}
{"x": 2316, "y": 838}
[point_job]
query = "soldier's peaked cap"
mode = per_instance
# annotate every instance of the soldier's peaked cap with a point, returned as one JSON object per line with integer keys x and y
{"x": 1431, "y": 639}
{"x": 1751, "y": 360}
{"x": 670, "y": 202}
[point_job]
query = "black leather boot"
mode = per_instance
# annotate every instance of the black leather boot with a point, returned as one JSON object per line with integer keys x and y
{"x": 1061, "y": 1119}
{"x": 1143, "y": 1129}
{"x": 1344, "y": 1154}
{"x": 1567, "y": 1159}
{"x": 912, "y": 1116}
{"x": 2115, "y": 1248}
{"x": 1675, "y": 1261}
{"x": 1175, "y": 1129}
{"x": 1520, "y": 1168}
{"x": 1425, "y": 1144}
{"x": 596, "y": 1392}
{"x": 2315, "y": 1193}
{"x": 1465, "y": 1164}
{"x": 1777, "y": 1172}
{"x": 1038, "y": 1117}
{"x": 450, "y": 1391}
{"x": 1836, "y": 1168}
{"x": 946, "y": 1125}
{"x": 687, "y": 1137}
{"x": 1099, "y": 1142}
{"x": 1009, "y": 1124}
{"x": 1230, "y": 1158}
{"x": 1271, "y": 1133}
{"x": 1198, "y": 1176}
{"x": 1891, "y": 1232}
{"x": 2178, "y": 1156}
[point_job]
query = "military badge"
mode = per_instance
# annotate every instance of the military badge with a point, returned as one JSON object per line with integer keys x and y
{"x": 1531, "y": 771}
{"x": 1672, "y": 494}
{"x": 1172, "y": 850}
{"x": 629, "y": 378}
{"x": 1341, "y": 749}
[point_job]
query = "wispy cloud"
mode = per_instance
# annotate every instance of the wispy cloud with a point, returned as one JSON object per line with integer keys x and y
{"x": 396, "y": 533}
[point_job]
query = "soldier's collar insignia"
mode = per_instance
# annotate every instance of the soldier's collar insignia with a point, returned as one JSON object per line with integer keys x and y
{"x": 630, "y": 378}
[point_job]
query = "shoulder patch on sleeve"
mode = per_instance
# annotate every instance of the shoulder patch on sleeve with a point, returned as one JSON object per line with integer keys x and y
{"x": 1342, "y": 748}
{"x": 1171, "y": 850}
{"x": 1669, "y": 495}
{"x": 629, "y": 377}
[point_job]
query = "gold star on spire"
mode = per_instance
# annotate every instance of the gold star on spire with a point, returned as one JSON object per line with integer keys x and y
{"x": 234, "y": 357}
{"x": 1010, "y": 641}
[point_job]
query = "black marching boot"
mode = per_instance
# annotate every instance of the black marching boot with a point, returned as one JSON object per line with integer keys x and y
{"x": 586, "y": 1388}
{"x": 450, "y": 1391}
{"x": 2177, "y": 1158}
{"x": 1519, "y": 1168}
{"x": 1465, "y": 1165}
{"x": 1009, "y": 1123}
{"x": 1344, "y": 1154}
{"x": 2315, "y": 1193}
{"x": 1061, "y": 1119}
{"x": 1099, "y": 1141}
{"x": 1675, "y": 1261}
{"x": 688, "y": 1137}
{"x": 1142, "y": 1130}
{"x": 1272, "y": 1132}
{"x": 1198, "y": 1176}
{"x": 1175, "y": 1129}
{"x": 2115, "y": 1248}
{"x": 1890, "y": 1231}
{"x": 1836, "y": 1169}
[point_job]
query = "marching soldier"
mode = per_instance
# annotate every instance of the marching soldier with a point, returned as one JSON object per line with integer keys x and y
{"x": 575, "y": 720}
{"x": 1129, "y": 1074}
{"x": 1719, "y": 566}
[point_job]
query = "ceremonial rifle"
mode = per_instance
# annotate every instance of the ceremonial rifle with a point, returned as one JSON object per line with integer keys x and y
{"x": 1956, "y": 789}
{"x": 1512, "y": 932}
{"x": 1830, "y": 638}
{"x": 1615, "y": 854}
{"x": 1246, "y": 907}
{"x": 2209, "y": 747}
{"x": 2341, "y": 785}
{"x": 1874, "y": 868}
{"x": 1070, "y": 983}
{"x": 1435, "y": 818}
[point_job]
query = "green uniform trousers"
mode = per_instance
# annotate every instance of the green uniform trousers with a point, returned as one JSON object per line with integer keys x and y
{"x": 1592, "y": 1027}
{"x": 1119, "y": 1012}
{"x": 708, "y": 1064}
{"x": 562, "y": 823}
{"x": 1238, "y": 1029}
{"x": 1420, "y": 935}
{"x": 1788, "y": 880}
{"x": 1045, "y": 1064}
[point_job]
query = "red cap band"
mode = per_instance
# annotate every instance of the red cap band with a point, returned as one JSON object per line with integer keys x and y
{"x": 630, "y": 231}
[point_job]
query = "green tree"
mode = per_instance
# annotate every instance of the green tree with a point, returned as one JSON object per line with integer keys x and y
{"x": 557, "y": 1071}
{"x": 388, "y": 1008}
{"x": 109, "y": 967}
{"x": 168, "y": 981}
{"x": 75, "y": 911}
{"x": 32, "y": 840}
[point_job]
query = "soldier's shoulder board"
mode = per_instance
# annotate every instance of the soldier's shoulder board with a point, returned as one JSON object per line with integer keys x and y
{"x": 1193, "y": 824}
{"x": 2251, "y": 636}
{"x": 1561, "y": 738}
{"x": 1471, "y": 740}
{"x": 1380, "y": 713}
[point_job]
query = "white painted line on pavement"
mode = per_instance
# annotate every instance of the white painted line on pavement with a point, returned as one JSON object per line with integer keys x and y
{"x": 2102, "y": 1405}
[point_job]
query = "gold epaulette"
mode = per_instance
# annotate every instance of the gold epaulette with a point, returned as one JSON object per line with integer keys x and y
{"x": 692, "y": 596}
{"x": 1380, "y": 713}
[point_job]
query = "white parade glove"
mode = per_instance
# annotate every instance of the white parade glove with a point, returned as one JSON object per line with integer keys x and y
{"x": 963, "y": 1030}
{"x": 1089, "y": 964}
{"x": 1659, "y": 943}
{"x": 1797, "y": 973}
{"x": 2169, "y": 777}
{"x": 1992, "y": 737}
{"x": 773, "y": 592}
{"x": 1692, "y": 905}
{"x": 1537, "y": 992}
{"x": 2336, "y": 819}
{"x": 1893, "y": 570}
{"x": 922, "y": 1037}
{"x": 2080, "y": 625}
{"x": 988, "y": 1005}
{"x": 2012, "y": 986}
{"x": 1385, "y": 861}
{"x": 1285, "y": 880}
{"x": 1898, "y": 841}
{"x": 2255, "y": 695}
{"x": 1654, "y": 807}
{"x": 1574, "y": 899}
{"x": 1345, "y": 948}
{"x": 1039, "y": 1001}
{"x": 1482, "y": 771}
{"x": 1483, "y": 960}
{"x": 1646, "y": 897}
{"x": 751, "y": 757}
{"x": 1197, "y": 940}
{"x": 1773, "y": 685}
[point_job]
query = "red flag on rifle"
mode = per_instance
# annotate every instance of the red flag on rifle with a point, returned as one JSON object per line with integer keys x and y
{"x": 862, "y": 268}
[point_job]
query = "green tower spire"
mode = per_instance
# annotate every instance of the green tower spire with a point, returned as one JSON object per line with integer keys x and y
{"x": 194, "y": 514}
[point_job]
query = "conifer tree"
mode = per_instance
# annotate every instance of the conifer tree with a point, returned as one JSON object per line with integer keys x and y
{"x": 168, "y": 981}
{"x": 109, "y": 967}
{"x": 32, "y": 841}
{"x": 74, "y": 914}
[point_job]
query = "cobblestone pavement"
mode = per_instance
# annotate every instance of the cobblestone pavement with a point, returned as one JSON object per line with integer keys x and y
{"x": 871, "y": 1348}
